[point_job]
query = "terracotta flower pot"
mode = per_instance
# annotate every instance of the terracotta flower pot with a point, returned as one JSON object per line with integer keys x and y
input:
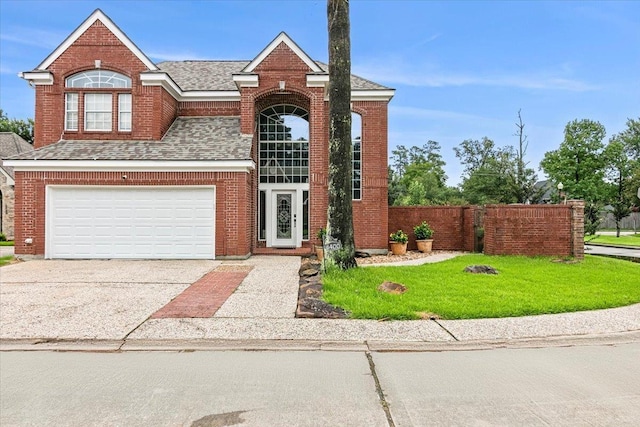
{"x": 425, "y": 245}
{"x": 398, "y": 248}
{"x": 319, "y": 253}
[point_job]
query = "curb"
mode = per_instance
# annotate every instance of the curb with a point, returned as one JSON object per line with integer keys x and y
{"x": 117, "y": 346}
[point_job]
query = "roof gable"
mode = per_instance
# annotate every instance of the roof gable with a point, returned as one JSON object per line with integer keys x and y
{"x": 97, "y": 15}
{"x": 282, "y": 38}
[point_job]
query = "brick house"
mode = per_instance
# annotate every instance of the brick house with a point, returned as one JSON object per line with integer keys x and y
{"x": 189, "y": 159}
{"x": 10, "y": 145}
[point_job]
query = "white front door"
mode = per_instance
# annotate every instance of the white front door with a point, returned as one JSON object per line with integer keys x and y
{"x": 284, "y": 218}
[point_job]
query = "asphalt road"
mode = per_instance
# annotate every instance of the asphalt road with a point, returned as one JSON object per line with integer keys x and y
{"x": 585, "y": 385}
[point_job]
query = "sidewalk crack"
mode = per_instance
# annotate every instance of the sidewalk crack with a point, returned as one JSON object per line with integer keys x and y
{"x": 445, "y": 329}
{"x": 381, "y": 396}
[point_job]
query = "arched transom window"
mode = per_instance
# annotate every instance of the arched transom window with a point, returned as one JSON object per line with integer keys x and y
{"x": 99, "y": 104}
{"x": 102, "y": 79}
{"x": 284, "y": 144}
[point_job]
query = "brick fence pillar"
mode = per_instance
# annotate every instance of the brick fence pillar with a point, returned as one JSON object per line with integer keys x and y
{"x": 577, "y": 228}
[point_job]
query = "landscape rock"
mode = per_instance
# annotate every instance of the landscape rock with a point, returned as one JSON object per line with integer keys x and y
{"x": 480, "y": 269}
{"x": 360, "y": 254}
{"x": 392, "y": 288}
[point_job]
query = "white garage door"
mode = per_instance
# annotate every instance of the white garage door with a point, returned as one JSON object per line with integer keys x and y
{"x": 130, "y": 222}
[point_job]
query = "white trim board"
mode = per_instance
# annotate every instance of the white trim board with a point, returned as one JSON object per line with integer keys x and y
{"x": 282, "y": 38}
{"x": 131, "y": 165}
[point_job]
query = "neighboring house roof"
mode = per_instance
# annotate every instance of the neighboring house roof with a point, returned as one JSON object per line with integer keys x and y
{"x": 188, "y": 139}
{"x": 10, "y": 145}
{"x": 218, "y": 75}
{"x": 546, "y": 188}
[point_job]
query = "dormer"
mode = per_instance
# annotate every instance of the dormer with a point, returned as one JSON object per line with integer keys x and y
{"x": 89, "y": 88}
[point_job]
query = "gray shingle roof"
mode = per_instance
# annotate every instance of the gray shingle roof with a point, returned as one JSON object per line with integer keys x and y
{"x": 203, "y": 75}
{"x": 357, "y": 82}
{"x": 218, "y": 75}
{"x": 10, "y": 145}
{"x": 190, "y": 138}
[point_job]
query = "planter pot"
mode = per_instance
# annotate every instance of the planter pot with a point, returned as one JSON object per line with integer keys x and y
{"x": 398, "y": 248}
{"x": 424, "y": 245}
{"x": 319, "y": 253}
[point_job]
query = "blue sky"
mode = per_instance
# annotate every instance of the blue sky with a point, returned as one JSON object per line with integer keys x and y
{"x": 461, "y": 69}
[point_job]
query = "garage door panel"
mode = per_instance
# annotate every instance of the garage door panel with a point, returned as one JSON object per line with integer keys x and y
{"x": 130, "y": 222}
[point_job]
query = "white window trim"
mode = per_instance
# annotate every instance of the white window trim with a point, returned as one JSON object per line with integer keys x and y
{"x": 67, "y": 111}
{"x": 129, "y": 111}
{"x": 86, "y": 111}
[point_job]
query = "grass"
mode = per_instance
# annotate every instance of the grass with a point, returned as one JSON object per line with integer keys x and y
{"x": 5, "y": 260}
{"x": 626, "y": 240}
{"x": 5, "y": 243}
{"x": 525, "y": 286}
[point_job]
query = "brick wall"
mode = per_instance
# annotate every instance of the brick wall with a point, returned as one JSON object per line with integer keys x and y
{"x": 447, "y": 222}
{"x": 233, "y": 215}
{"x": 535, "y": 230}
{"x": 555, "y": 230}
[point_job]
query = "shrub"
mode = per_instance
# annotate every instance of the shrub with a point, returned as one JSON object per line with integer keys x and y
{"x": 399, "y": 237}
{"x": 423, "y": 231}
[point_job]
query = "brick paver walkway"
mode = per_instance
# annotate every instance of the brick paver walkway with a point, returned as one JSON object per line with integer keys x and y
{"x": 206, "y": 296}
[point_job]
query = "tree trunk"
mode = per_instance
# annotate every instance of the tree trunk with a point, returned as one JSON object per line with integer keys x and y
{"x": 340, "y": 213}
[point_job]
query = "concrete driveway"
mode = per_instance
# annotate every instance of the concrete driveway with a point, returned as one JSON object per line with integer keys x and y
{"x": 89, "y": 299}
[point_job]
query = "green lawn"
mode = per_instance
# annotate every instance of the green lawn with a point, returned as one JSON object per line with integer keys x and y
{"x": 525, "y": 286}
{"x": 5, "y": 243}
{"x": 5, "y": 260}
{"x": 626, "y": 240}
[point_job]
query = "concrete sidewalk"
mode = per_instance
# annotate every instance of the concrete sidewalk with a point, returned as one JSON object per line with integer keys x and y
{"x": 107, "y": 305}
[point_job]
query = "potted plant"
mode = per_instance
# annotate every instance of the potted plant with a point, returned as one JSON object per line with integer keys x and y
{"x": 321, "y": 234}
{"x": 398, "y": 242}
{"x": 424, "y": 235}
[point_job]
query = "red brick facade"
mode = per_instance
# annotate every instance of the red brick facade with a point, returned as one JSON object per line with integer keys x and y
{"x": 154, "y": 109}
{"x": 233, "y": 239}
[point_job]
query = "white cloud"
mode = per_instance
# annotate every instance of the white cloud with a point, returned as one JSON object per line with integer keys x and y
{"x": 430, "y": 77}
{"x": 33, "y": 37}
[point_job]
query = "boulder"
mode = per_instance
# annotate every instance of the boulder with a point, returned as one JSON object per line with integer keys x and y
{"x": 480, "y": 269}
{"x": 392, "y": 288}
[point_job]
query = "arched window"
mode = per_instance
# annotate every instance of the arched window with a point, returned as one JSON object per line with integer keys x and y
{"x": 98, "y": 79}
{"x": 284, "y": 144}
{"x": 356, "y": 156}
{"x": 99, "y": 106}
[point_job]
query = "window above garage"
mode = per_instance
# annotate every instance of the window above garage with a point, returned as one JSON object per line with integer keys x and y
{"x": 102, "y": 98}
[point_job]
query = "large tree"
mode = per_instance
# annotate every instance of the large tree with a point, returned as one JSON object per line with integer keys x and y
{"x": 339, "y": 212}
{"x": 418, "y": 176}
{"x": 579, "y": 163}
{"x": 23, "y": 128}
{"x": 622, "y": 156}
{"x": 487, "y": 171}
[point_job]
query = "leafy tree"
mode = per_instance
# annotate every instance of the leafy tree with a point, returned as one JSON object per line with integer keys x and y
{"x": 579, "y": 163}
{"x": 24, "y": 128}
{"x": 488, "y": 170}
{"x": 339, "y": 212}
{"x": 622, "y": 155}
{"x": 418, "y": 177}
{"x": 630, "y": 139}
{"x": 618, "y": 171}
